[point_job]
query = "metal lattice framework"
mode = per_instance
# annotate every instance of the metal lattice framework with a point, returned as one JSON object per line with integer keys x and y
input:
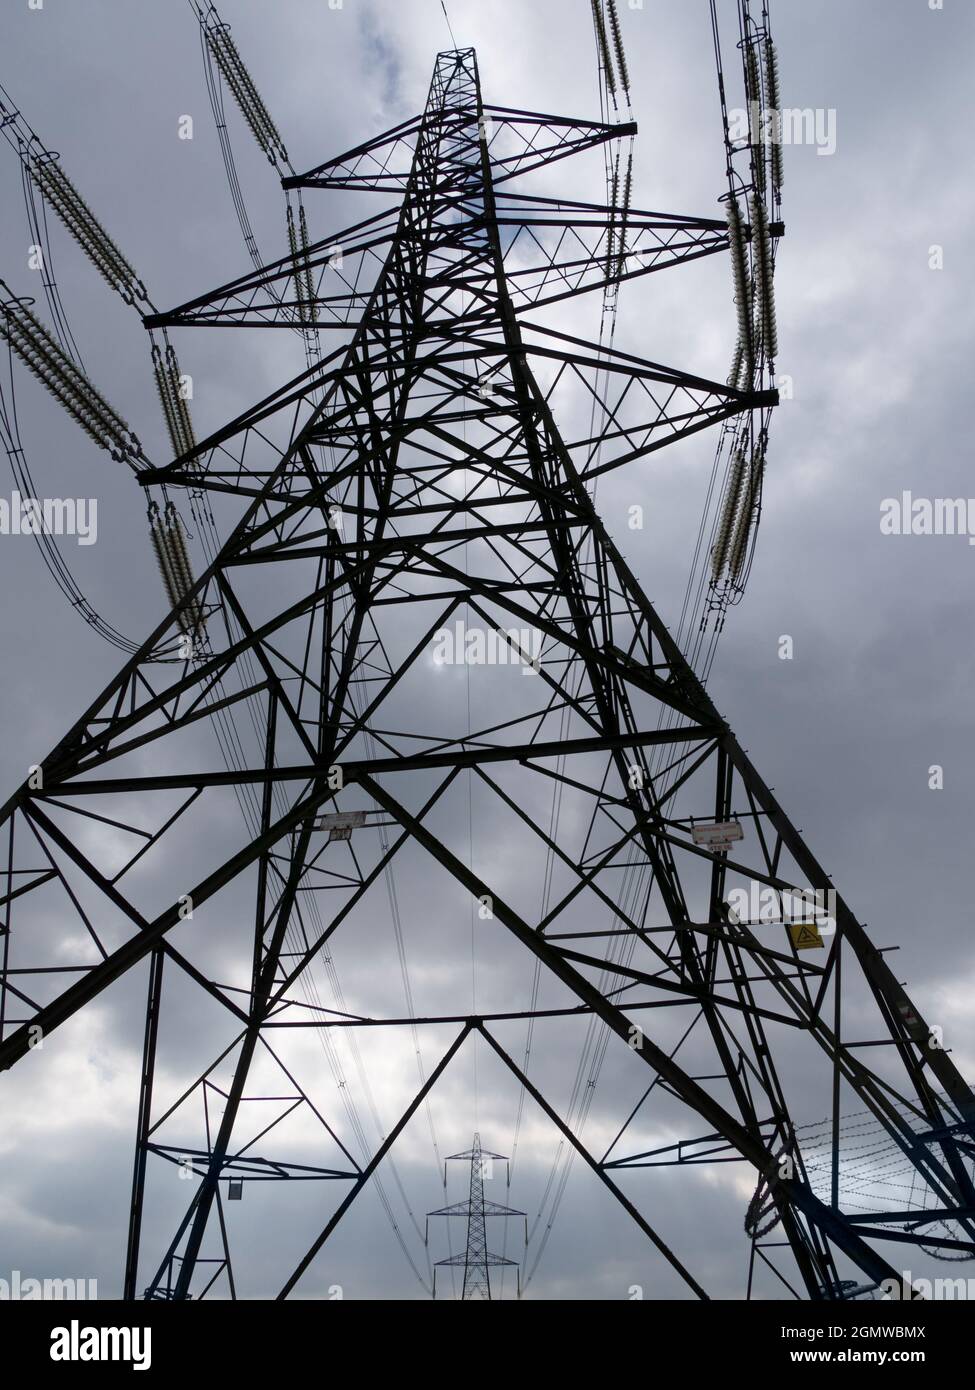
{"x": 477, "y": 1261}
{"x": 414, "y": 475}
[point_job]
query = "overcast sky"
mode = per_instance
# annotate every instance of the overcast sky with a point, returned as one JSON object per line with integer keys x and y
{"x": 877, "y": 345}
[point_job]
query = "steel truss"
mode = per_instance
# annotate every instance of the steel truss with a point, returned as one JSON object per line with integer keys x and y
{"x": 421, "y": 476}
{"x": 477, "y": 1261}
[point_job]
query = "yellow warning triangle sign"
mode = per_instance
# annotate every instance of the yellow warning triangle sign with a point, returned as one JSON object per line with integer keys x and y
{"x": 805, "y": 936}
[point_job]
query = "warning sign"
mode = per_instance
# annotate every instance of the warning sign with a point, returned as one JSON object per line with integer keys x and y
{"x": 805, "y": 936}
{"x": 717, "y": 835}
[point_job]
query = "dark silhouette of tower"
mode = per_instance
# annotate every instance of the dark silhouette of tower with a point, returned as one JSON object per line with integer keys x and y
{"x": 414, "y": 474}
{"x": 477, "y": 1260}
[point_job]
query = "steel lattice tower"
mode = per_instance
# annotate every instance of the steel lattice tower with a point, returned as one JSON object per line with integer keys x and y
{"x": 416, "y": 473}
{"x": 477, "y": 1260}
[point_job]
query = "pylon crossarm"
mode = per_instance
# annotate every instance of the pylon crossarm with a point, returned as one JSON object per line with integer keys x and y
{"x": 365, "y": 166}
{"x": 259, "y": 292}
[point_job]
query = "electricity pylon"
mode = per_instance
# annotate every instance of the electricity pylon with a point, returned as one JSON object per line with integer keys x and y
{"x": 414, "y": 474}
{"x": 477, "y": 1260}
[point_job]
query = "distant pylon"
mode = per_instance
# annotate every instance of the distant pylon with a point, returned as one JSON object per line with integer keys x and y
{"x": 477, "y": 1259}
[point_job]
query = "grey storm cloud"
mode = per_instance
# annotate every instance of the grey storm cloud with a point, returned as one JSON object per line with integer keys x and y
{"x": 876, "y": 345}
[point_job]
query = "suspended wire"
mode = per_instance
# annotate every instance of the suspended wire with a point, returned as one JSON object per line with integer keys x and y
{"x": 46, "y": 544}
{"x": 733, "y": 527}
{"x": 52, "y": 354}
{"x": 56, "y": 361}
{"x": 454, "y": 42}
{"x": 721, "y": 561}
{"x": 25, "y": 143}
{"x": 92, "y": 412}
{"x": 41, "y": 353}
{"x": 60, "y": 193}
{"x": 239, "y": 80}
{"x": 612, "y": 74}
{"x": 216, "y": 46}
{"x": 215, "y": 93}
{"x": 753, "y": 270}
{"x": 236, "y": 759}
{"x": 221, "y": 58}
